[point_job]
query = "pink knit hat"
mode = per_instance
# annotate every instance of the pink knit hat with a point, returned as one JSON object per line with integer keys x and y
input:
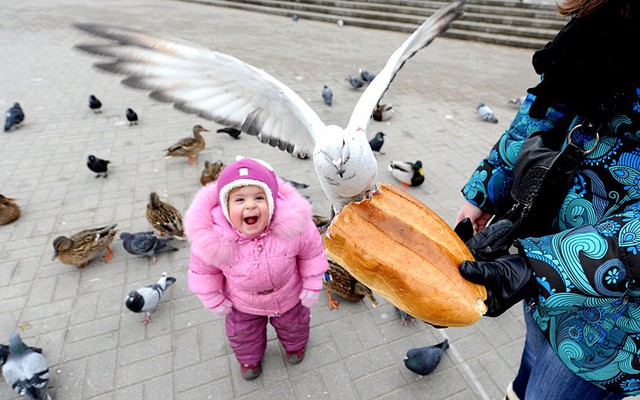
{"x": 247, "y": 172}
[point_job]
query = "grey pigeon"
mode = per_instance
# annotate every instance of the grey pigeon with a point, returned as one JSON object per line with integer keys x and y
{"x": 231, "y": 131}
{"x": 486, "y": 113}
{"x": 295, "y": 17}
{"x": 424, "y": 360}
{"x": 132, "y": 117}
{"x": 327, "y": 95}
{"x": 146, "y": 299}
{"x": 355, "y": 83}
{"x": 95, "y": 104}
{"x": 13, "y": 117}
{"x": 377, "y": 142}
{"x": 98, "y": 165}
{"x": 406, "y": 318}
{"x": 26, "y": 371}
{"x": 145, "y": 244}
{"x": 366, "y": 75}
{"x": 4, "y": 352}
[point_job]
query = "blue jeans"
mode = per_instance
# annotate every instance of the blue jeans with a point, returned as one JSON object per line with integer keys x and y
{"x": 543, "y": 376}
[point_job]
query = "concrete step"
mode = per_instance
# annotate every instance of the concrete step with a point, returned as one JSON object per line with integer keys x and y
{"x": 491, "y": 21}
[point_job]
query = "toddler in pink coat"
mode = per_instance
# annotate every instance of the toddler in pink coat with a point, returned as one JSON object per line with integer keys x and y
{"x": 256, "y": 257}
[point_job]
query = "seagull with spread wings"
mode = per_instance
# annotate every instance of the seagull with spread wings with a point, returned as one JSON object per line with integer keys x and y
{"x": 226, "y": 90}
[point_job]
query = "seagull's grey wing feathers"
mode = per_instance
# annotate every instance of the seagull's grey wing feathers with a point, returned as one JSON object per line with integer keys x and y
{"x": 208, "y": 83}
{"x": 434, "y": 26}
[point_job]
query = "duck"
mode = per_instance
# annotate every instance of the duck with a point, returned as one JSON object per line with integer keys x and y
{"x": 189, "y": 146}
{"x": 382, "y": 112}
{"x": 407, "y": 172}
{"x": 84, "y": 246}
{"x": 9, "y": 210}
{"x": 341, "y": 282}
{"x": 164, "y": 217}
{"x": 211, "y": 171}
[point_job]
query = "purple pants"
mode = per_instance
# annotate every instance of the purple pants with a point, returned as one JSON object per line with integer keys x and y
{"x": 247, "y": 333}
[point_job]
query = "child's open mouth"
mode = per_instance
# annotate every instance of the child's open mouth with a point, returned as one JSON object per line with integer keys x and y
{"x": 250, "y": 220}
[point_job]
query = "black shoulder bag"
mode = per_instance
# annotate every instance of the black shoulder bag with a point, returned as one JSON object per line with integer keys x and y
{"x": 542, "y": 177}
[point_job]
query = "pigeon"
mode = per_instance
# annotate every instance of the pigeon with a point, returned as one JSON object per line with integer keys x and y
{"x": 13, "y": 117}
{"x": 486, "y": 113}
{"x": 98, "y": 165}
{"x": 95, "y": 104}
{"x": 406, "y": 318}
{"x": 263, "y": 106}
{"x": 424, "y": 360}
{"x": 26, "y": 370}
{"x": 146, "y": 299}
{"x": 366, "y": 75}
{"x": 295, "y": 17}
{"x": 517, "y": 102}
{"x": 295, "y": 184}
{"x": 409, "y": 173}
{"x": 231, "y": 131}
{"x": 132, "y": 117}
{"x": 145, "y": 244}
{"x": 4, "y": 352}
{"x": 356, "y": 83}
{"x": 327, "y": 95}
{"x": 377, "y": 142}
{"x": 382, "y": 112}
{"x": 211, "y": 171}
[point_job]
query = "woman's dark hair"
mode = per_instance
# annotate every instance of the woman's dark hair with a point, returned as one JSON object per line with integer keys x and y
{"x": 585, "y": 7}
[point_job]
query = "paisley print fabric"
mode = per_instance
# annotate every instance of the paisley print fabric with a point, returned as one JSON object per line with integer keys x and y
{"x": 588, "y": 274}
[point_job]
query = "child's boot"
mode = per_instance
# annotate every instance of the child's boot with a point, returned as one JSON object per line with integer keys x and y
{"x": 250, "y": 371}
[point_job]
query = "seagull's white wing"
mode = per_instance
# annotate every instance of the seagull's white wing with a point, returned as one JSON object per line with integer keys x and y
{"x": 434, "y": 26}
{"x": 214, "y": 85}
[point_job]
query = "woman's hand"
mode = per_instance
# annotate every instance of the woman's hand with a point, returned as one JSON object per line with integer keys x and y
{"x": 478, "y": 217}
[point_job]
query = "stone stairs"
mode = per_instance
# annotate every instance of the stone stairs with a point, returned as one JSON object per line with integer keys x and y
{"x": 503, "y": 22}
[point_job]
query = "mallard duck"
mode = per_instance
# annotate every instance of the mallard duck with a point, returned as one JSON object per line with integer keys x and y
{"x": 382, "y": 112}
{"x": 189, "y": 146}
{"x": 338, "y": 280}
{"x": 407, "y": 172}
{"x": 211, "y": 171}
{"x": 9, "y": 210}
{"x": 84, "y": 246}
{"x": 164, "y": 217}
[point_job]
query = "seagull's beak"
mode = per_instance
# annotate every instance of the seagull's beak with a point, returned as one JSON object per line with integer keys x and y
{"x": 339, "y": 166}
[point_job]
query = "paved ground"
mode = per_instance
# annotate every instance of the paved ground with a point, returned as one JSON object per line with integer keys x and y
{"x": 97, "y": 349}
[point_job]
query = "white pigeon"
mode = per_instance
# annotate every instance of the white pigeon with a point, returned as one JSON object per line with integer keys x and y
{"x": 224, "y": 89}
{"x": 146, "y": 299}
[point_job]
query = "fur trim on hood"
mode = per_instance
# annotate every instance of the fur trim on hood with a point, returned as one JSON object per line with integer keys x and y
{"x": 215, "y": 241}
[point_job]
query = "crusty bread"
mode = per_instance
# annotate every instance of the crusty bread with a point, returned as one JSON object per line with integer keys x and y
{"x": 397, "y": 246}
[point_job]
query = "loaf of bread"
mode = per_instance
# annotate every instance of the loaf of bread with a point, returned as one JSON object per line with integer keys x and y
{"x": 397, "y": 246}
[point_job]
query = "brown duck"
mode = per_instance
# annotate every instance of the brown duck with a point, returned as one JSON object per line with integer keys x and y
{"x": 339, "y": 281}
{"x": 84, "y": 246}
{"x": 164, "y": 217}
{"x": 189, "y": 146}
{"x": 9, "y": 210}
{"x": 211, "y": 172}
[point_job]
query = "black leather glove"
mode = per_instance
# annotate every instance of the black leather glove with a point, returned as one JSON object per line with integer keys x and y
{"x": 488, "y": 244}
{"x": 508, "y": 279}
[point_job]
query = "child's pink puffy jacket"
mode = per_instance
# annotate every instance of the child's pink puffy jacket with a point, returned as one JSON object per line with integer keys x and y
{"x": 263, "y": 275}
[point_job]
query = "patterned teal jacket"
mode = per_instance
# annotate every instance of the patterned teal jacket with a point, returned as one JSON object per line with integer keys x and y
{"x": 588, "y": 273}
